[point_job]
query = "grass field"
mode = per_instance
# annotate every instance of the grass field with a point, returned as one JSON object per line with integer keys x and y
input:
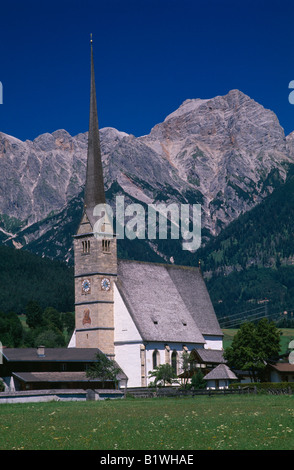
{"x": 200, "y": 423}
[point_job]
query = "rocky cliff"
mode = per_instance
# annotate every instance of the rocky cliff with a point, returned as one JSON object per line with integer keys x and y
{"x": 226, "y": 153}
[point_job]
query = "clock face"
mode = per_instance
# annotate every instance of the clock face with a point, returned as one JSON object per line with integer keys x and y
{"x": 86, "y": 286}
{"x": 105, "y": 284}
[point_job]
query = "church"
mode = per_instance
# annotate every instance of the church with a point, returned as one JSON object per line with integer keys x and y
{"x": 139, "y": 314}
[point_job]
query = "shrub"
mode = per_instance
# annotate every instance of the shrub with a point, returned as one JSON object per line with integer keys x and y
{"x": 262, "y": 387}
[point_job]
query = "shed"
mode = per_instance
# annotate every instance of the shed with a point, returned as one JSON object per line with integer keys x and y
{"x": 220, "y": 377}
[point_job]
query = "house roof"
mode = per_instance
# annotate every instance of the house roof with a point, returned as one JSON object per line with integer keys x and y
{"x": 167, "y": 303}
{"x": 222, "y": 371}
{"x": 51, "y": 354}
{"x": 53, "y": 377}
{"x": 209, "y": 355}
{"x": 283, "y": 367}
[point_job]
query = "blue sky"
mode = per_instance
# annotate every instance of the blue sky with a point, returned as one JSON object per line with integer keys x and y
{"x": 150, "y": 56}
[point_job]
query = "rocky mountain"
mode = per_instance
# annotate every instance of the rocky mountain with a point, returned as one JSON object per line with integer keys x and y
{"x": 227, "y": 153}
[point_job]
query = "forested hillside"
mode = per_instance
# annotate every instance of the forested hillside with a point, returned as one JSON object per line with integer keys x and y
{"x": 25, "y": 277}
{"x": 262, "y": 237}
{"x": 249, "y": 266}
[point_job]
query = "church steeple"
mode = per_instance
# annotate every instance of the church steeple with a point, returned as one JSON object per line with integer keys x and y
{"x": 94, "y": 188}
{"x": 95, "y": 252}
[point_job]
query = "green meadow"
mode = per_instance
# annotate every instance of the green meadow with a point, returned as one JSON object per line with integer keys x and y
{"x": 243, "y": 422}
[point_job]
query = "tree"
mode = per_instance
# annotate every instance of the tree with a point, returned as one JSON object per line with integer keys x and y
{"x": 252, "y": 346}
{"x": 34, "y": 314}
{"x": 163, "y": 374}
{"x": 52, "y": 318}
{"x": 188, "y": 367}
{"x": 197, "y": 381}
{"x": 68, "y": 319}
{"x": 104, "y": 370}
{"x": 49, "y": 338}
{"x": 11, "y": 330}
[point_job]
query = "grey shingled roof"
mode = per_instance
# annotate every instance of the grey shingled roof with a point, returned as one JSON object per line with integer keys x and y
{"x": 167, "y": 303}
{"x": 52, "y": 376}
{"x": 55, "y": 377}
{"x": 222, "y": 371}
{"x": 211, "y": 355}
{"x": 51, "y": 354}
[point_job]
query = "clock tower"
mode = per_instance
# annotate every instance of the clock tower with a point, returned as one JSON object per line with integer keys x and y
{"x": 95, "y": 253}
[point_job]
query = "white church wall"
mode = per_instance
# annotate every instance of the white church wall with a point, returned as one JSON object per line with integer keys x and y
{"x": 213, "y": 342}
{"x": 128, "y": 358}
{"x": 72, "y": 342}
{"x": 161, "y": 348}
{"x": 127, "y": 342}
{"x": 125, "y": 329}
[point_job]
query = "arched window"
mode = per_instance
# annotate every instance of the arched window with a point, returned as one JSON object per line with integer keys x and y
{"x": 155, "y": 358}
{"x": 174, "y": 361}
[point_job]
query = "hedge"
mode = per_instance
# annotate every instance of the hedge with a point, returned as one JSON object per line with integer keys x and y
{"x": 266, "y": 386}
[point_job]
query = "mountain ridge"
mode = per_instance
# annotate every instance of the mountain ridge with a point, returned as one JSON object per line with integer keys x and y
{"x": 227, "y": 153}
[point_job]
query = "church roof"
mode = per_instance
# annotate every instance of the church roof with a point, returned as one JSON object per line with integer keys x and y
{"x": 167, "y": 303}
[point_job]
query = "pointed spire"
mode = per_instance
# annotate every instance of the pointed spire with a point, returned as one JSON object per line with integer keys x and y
{"x": 94, "y": 189}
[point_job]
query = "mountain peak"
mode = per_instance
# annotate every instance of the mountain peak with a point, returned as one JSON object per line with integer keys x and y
{"x": 188, "y": 106}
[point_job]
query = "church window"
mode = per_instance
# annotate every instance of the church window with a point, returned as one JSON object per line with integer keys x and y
{"x": 86, "y": 246}
{"x": 106, "y": 246}
{"x": 155, "y": 358}
{"x": 174, "y": 361}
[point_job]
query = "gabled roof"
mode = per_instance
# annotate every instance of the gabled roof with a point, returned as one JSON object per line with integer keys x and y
{"x": 58, "y": 377}
{"x": 51, "y": 354}
{"x": 209, "y": 356}
{"x": 53, "y": 377}
{"x": 167, "y": 303}
{"x": 222, "y": 371}
{"x": 283, "y": 367}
